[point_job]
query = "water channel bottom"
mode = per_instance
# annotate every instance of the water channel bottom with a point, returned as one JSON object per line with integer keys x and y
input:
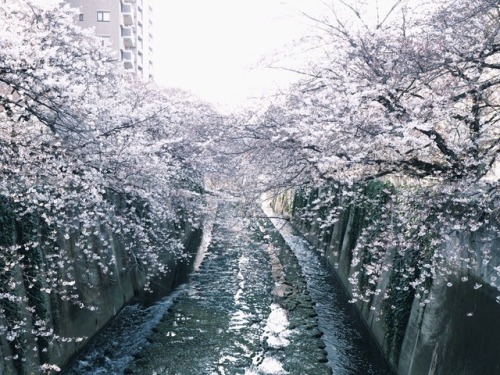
{"x": 248, "y": 309}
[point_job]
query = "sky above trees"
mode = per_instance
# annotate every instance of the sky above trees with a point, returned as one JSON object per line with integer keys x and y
{"x": 221, "y": 49}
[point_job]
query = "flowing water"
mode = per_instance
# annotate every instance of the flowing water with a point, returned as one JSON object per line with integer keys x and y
{"x": 252, "y": 307}
{"x": 350, "y": 348}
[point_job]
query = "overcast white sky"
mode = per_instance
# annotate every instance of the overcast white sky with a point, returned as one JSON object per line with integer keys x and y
{"x": 212, "y": 47}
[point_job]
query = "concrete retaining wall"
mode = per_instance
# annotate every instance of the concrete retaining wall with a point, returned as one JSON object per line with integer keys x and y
{"x": 457, "y": 333}
{"x": 107, "y": 291}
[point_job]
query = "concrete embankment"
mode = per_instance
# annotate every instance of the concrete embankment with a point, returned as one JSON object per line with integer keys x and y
{"x": 457, "y": 332}
{"x": 68, "y": 326}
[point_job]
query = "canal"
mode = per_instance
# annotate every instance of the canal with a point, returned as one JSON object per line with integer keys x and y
{"x": 256, "y": 304}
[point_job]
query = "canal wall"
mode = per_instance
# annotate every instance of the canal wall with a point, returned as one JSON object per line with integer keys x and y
{"x": 458, "y": 332}
{"x": 106, "y": 273}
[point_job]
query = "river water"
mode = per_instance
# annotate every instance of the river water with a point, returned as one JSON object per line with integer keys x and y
{"x": 254, "y": 306}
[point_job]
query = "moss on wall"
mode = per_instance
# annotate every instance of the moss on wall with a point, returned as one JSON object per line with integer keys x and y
{"x": 29, "y": 244}
{"x": 397, "y": 310}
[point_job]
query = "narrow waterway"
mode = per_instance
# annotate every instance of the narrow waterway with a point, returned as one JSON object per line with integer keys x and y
{"x": 351, "y": 351}
{"x": 254, "y": 306}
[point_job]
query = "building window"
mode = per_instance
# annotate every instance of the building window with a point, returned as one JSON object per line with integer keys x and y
{"x": 105, "y": 40}
{"x": 80, "y": 17}
{"x": 103, "y": 16}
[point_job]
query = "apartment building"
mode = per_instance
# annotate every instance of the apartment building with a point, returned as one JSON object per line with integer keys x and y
{"x": 126, "y": 25}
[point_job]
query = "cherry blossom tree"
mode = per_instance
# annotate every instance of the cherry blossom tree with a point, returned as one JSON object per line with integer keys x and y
{"x": 407, "y": 94}
{"x": 412, "y": 92}
{"x": 89, "y": 157}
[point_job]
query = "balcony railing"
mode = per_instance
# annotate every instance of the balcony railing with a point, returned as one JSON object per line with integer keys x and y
{"x": 128, "y": 37}
{"x": 128, "y": 59}
{"x": 128, "y": 18}
{"x": 128, "y": 42}
{"x": 127, "y": 32}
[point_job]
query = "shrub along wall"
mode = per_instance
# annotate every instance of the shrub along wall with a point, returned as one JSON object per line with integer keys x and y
{"x": 457, "y": 329}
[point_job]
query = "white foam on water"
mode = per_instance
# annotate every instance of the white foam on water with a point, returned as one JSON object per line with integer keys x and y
{"x": 206, "y": 238}
{"x": 268, "y": 366}
{"x": 126, "y": 336}
{"x": 277, "y": 327}
{"x": 271, "y": 366}
{"x": 276, "y": 334}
